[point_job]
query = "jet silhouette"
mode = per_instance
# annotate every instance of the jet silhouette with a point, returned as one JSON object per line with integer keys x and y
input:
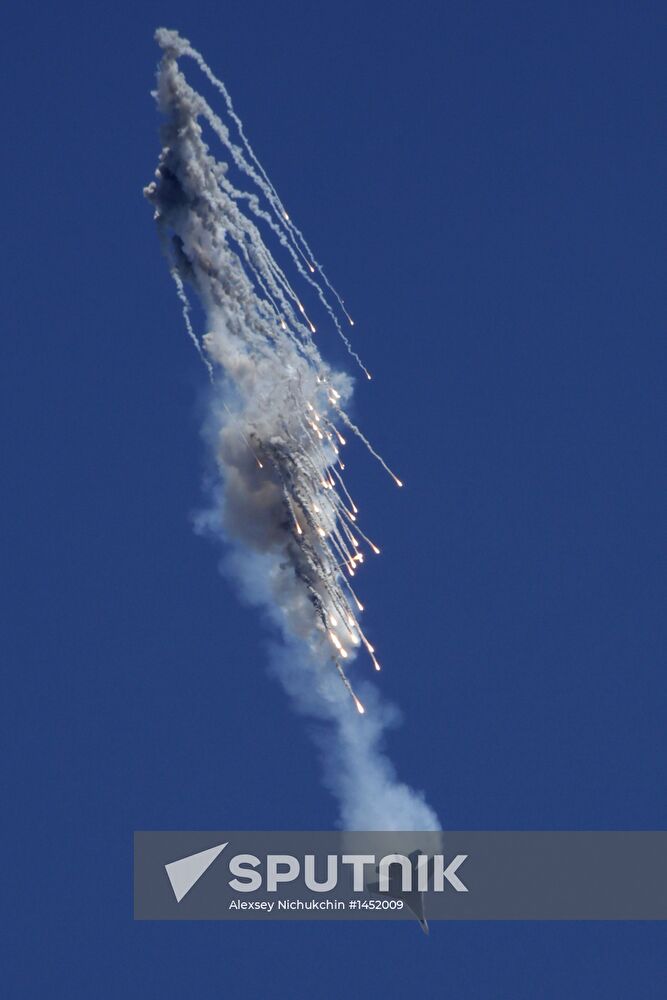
{"x": 413, "y": 898}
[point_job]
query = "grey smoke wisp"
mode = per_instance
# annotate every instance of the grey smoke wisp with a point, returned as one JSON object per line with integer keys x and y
{"x": 276, "y": 423}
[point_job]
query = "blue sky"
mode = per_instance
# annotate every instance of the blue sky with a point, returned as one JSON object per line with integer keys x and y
{"x": 485, "y": 183}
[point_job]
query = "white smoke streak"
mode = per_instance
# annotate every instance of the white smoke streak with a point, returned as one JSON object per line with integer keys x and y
{"x": 273, "y": 426}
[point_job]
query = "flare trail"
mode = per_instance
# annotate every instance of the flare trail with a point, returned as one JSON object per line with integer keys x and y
{"x": 276, "y": 416}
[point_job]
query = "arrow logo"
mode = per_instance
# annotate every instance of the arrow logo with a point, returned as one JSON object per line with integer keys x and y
{"x": 186, "y": 871}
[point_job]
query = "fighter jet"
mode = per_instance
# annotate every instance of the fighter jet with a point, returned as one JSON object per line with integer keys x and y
{"x": 413, "y": 898}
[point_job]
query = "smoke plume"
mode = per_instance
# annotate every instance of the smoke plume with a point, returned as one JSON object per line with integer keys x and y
{"x": 276, "y": 425}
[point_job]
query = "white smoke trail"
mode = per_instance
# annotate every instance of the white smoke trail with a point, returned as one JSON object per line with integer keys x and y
{"x": 273, "y": 426}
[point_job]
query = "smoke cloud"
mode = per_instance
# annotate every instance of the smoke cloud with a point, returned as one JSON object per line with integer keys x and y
{"x": 276, "y": 422}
